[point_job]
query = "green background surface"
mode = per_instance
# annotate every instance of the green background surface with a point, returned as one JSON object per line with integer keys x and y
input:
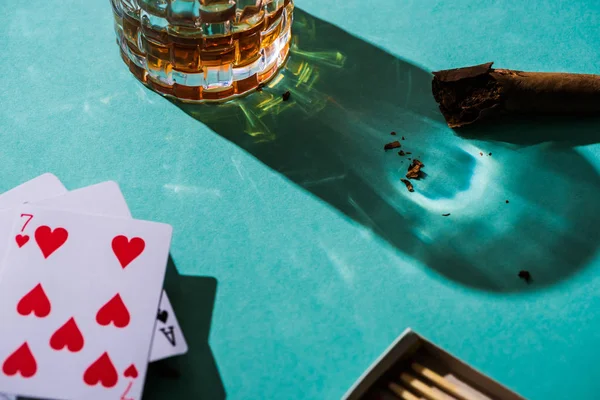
{"x": 309, "y": 255}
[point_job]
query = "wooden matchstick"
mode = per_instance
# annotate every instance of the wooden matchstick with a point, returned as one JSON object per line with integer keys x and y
{"x": 402, "y": 392}
{"x": 441, "y": 382}
{"x": 421, "y": 387}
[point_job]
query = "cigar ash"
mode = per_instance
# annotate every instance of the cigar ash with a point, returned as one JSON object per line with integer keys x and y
{"x": 392, "y": 145}
{"x": 409, "y": 185}
{"x": 414, "y": 169}
{"x": 526, "y": 276}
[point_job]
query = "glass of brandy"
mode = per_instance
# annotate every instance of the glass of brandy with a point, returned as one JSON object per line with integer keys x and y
{"x": 203, "y": 50}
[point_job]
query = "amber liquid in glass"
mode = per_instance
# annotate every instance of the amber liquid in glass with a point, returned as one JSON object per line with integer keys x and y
{"x": 203, "y": 50}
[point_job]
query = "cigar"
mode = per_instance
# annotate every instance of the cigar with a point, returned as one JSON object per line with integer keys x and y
{"x": 470, "y": 94}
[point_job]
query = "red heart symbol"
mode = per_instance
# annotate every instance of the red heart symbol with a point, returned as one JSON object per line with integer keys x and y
{"x": 101, "y": 371}
{"x": 114, "y": 311}
{"x": 127, "y": 250}
{"x": 21, "y": 240}
{"x": 22, "y": 361}
{"x": 35, "y": 301}
{"x": 131, "y": 372}
{"x": 68, "y": 336}
{"x": 50, "y": 240}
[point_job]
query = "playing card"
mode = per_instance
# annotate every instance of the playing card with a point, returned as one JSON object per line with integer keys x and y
{"x": 78, "y": 303}
{"x": 101, "y": 198}
{"x": 106, "y": 198}
{"x": 37, "y": 188}
{"x": 43, "y": 186}
{"x": 95, "y": 199}
{"x": 168, "y": 339}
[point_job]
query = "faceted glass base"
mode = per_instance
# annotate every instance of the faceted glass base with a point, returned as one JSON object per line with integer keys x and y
{"x": 203, "y": 50}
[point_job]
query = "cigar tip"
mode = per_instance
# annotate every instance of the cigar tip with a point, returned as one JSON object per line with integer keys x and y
{"x": 456, "y": 74}
{"x": 468, "y": 94}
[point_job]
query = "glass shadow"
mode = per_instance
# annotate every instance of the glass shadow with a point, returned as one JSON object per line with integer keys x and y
{"x": 512, "y": 207}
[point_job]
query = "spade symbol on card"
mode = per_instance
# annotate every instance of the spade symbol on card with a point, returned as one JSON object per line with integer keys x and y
{"x": 35, "y": 302}
{"x": 21, "y": 240}
{"x": 50, "y": 240}
{"x": 169, "y": 334}
{"x": 21, "y": 361}
{"x": 163, "y": 316}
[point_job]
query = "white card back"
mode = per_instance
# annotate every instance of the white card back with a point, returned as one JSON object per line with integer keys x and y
{"x": 104, "y": 198}
{"x": 46, "y": 185}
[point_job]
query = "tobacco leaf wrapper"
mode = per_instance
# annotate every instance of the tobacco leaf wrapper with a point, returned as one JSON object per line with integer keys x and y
{"x": 469, "y": 94}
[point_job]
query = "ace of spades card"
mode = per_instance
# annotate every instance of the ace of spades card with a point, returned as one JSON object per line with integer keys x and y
{"x": 78, "y": 303}
{"x": 168, "y": 338}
